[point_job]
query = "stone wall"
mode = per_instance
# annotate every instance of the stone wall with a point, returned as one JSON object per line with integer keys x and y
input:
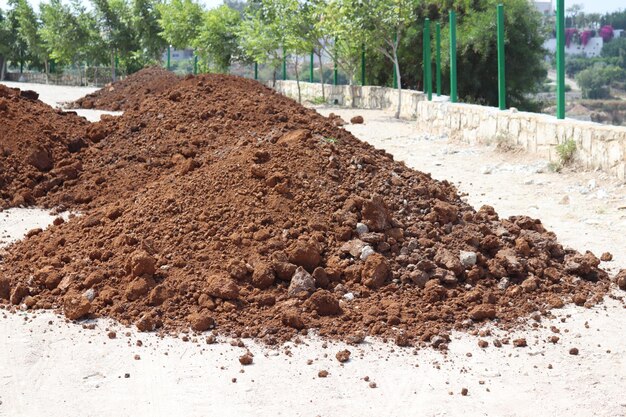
{"x": 597, "y": 145}
{"x": 367, "y": 97}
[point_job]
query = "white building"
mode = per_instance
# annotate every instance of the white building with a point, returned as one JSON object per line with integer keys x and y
{"x": 544, "y": 7}
{"x": 178, "y": 55}
{"x": 592, "y": 49}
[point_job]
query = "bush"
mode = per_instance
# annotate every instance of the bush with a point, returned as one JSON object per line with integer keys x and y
{"x": 566, "y": 151}
{"x": 595, "y": 82}
{"x": 575, "y": 65}
{"x": 616, "y": 51}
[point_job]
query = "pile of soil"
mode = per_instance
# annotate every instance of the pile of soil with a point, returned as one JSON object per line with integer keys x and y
{"x": 39, "y": 147}
{"x": 129, "y": 92}
{"x": 220, "y": 203}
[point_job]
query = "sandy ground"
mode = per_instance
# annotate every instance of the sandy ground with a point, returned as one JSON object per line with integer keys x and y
{"x": 58, "y": 96}
{"x": 54, "y": 368}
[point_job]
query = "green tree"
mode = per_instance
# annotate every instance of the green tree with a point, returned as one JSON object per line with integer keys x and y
{"x": 318, "y": 33}
{"x": 339, "y": 36}
{"x": 180, "y": 22}
{"x": 477, "y": 59}
{"x": 616, "y": 49}
{"x": 616, "y": 19}
{"x": 259, "y": 37}
{"x": 61, "y": 32}
{"x": 16, "y": 46}
{"x": 273, "y": 26}
{"x": 28, "y": 31}
{"x": 146, "y": 17}
{"x": 295, "y": 28}
{"x": 595, "y": 82}
{"x": 218, "y": 39}
{"x": 94, "y": 50}
{"x": 384, "y": 23}
{"x": 7, "y": 39}
{"x": 115, "y": 22}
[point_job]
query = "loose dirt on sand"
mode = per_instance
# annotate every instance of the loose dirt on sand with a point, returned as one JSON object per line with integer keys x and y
{"x": 220, "y": 204}
{"x": 39, "y": 147}
{"x": 130, "y": 91}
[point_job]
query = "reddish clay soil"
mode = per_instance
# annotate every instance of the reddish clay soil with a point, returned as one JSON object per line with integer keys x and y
{"x": 39, "y": 147}
{"x": 221, "y": 204}
{"x": 128, "y": 93}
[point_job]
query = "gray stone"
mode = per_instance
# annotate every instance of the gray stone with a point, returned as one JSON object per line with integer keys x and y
{"x": 366, "y": 252}
{"x": 354, "y": 247}
{"x": 301, "y": 281}
{"x": 468, "y": 259}
{"x": 504, "y": 283}
{"x": 419, "y": 278}
{"x": 90, "y": 294}
{"x": 348, "y": 296}
{"x": 437, "y": 340}
{"x": 361, "y": 228}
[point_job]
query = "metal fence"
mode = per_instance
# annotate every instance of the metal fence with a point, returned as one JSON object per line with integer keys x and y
{"x": 81, "y": 76}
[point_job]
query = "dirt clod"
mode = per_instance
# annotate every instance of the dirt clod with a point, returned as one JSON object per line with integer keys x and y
{"x": 521, "y": 342}
{"x": 76, "y": 307}
{"x": 246, "y": 359}
{"x": 343, "y": 355}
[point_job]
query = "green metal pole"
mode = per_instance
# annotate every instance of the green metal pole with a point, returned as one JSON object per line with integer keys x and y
{"x": 336, "y": 70}
{"x": 501, "y": 80}
{"x": 560, "y": 59}
{"x": 169, "y": 48}
{"x": 195, "y": 64}
{"x": 424, "y": 62}
{"x": 438, "y": 57}
{"x": 311, "y": 68}
{"x": 363, "y": 64}
{"x": 284, "y": 64}
{"x": 453, "y": 96}
{"x": 427, "y": 61}
{"x": 256, "y": 71}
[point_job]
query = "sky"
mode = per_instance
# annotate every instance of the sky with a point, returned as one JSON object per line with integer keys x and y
{"x": 597, "y": 6}
{"x": 589, "y": 6}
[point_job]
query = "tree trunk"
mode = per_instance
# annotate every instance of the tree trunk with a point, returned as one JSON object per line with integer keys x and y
{"x": 322, "y": 75}
{"x": 47, "y": 70}
{"x": 298, "y": 82}
{"x": 351, "y": 86}
{"x": 397, "y": 68}
{"x": 112, "y": 66}
{"x": 3, "y": 62}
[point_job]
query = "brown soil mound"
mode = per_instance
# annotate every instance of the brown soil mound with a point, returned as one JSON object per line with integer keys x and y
{"x": 128, "y": 93}
{"x": 38, "y": 147}
{"x": 223, "y": 204}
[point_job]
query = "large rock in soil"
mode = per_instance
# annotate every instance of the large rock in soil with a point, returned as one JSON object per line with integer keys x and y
{"x": 375, "y": 271}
